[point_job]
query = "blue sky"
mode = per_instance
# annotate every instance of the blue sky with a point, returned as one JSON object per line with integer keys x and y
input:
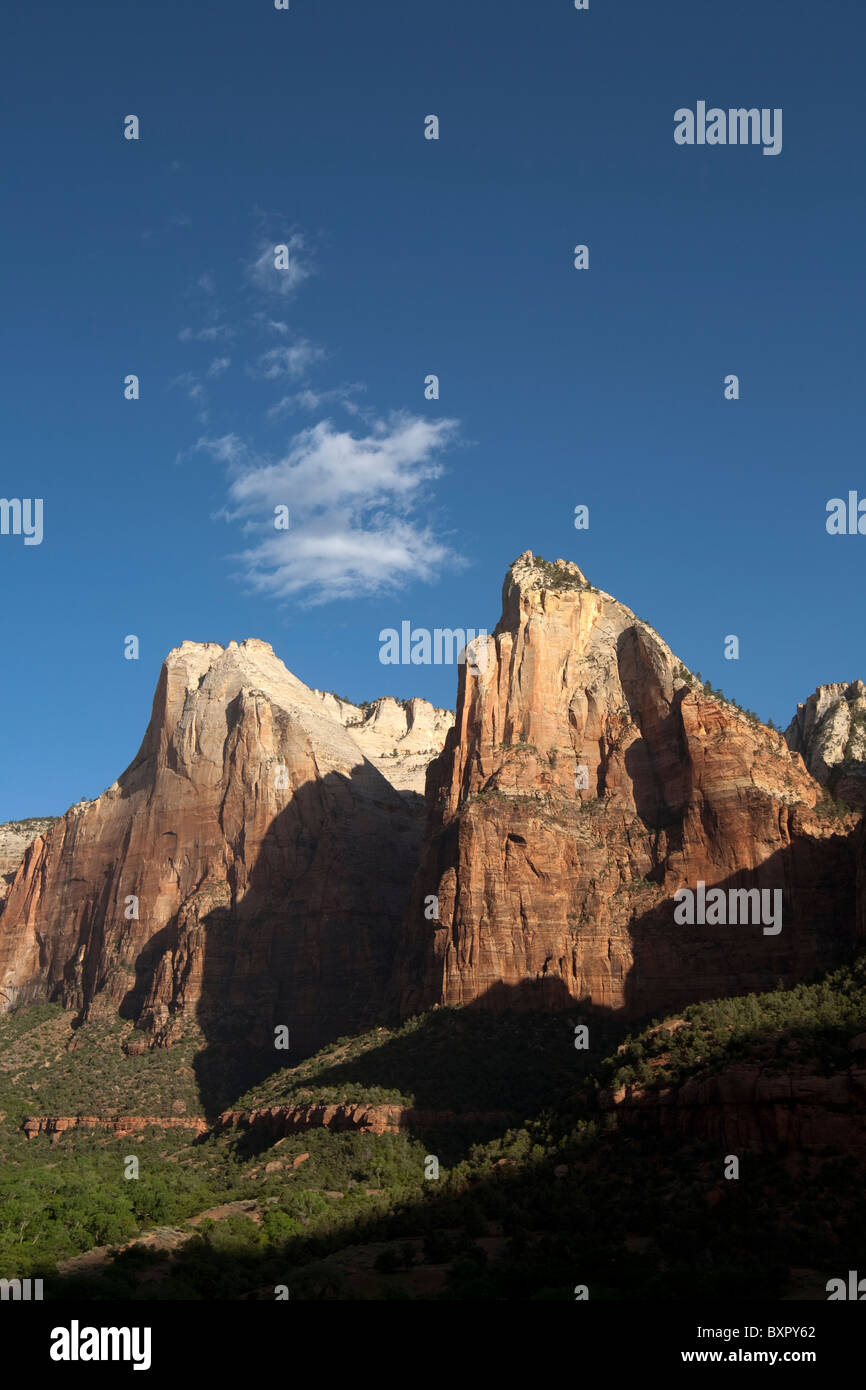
{"x": 410, "y": 257}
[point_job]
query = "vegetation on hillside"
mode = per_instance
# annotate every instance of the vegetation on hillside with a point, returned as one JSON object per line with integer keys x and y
{"x": 561, "y": 1194}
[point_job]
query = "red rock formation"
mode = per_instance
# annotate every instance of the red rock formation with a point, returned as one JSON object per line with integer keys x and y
{"x": 276, "y": 1121}
{"x": 746, "y": 1107}
{"x": 15, "y": 836}
{"x": 117, "y": 1124}
{"x": 250, "y": 868}
{"x": 550, "y": 892}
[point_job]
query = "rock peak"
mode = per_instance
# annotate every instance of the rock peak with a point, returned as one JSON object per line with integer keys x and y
{"x": 588, "y": 779}
{"x": 269, "y": 842}
{"x": 531, "y": 571}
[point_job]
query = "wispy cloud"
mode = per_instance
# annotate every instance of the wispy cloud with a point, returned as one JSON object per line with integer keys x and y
{"x": 287, "y": 361}
{"x": 195, "y": 391}
{"x": 263, "y": 273}
{"x": 311, "y": 400}
{"x": 228, "y": 448}
{"x": 357, "y": 496}
{"x": 191, "y": 385}
{"x": 209, "y": 334}
{"x": 353, "y": 502}
{"x": 271, "y": 325}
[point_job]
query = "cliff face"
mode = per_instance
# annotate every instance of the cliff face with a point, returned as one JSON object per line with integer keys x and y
{"x": 277, "y": 1121}
{"x": 121, "y": 1125}
{"x": 398, "y": 736}
{"x": 829, "y": 731}
{"x": 15, "y": 836}
{"x": 250, "y": 868}
{"x": 745, "y": 1107}
{"x": 587, "y": 779}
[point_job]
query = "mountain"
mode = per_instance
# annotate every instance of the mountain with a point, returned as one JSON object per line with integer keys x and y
{"x": 588, "y": 778}
{"x": 252, "y": 867}
{"x": 829, "y": 731}
{"x": 249, "y": 869}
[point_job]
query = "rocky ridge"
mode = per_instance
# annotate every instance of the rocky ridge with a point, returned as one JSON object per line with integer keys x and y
{"x": 120, "y": 1125}
{"x": 276, "y": 1121}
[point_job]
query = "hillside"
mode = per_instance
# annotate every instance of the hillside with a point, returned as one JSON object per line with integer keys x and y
{"x": 568, "y": 1191}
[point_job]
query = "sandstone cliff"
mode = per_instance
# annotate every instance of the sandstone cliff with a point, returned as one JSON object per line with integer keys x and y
{"x": 15, "y": 836}
{"x": 829, "y": 731}
{"x": 249, "y": 869}
{"x": 747, "y": 1107}
{"x": 121, "y": 1125}
{"x": 398, "y": 736}
{"x": 587, "y": 779}
{"x": 276, "y": 1121}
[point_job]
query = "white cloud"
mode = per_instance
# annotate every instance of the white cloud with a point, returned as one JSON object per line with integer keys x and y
{"x": 311, "y": 400}
{"x": 353, "y": 504}
{"x": 264, "y": 275}
{"x": 264, "y": 320}
{"x": 218, "y": 366}
{"x": 191, "y": 384}
{"x": 288, "y": 361}
{"x": 228, "y": 448}
{"x": 209, "y": 334}
{"x": 334, "y": 559}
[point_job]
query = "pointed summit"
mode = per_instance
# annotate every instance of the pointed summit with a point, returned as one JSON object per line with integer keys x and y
{"x": 248, "y": 870}
{"x": 589, "y": 778}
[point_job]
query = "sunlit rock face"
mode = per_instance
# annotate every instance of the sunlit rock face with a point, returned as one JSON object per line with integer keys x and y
{"x": 588, "y": 778}
{"x": 250, "y": 869}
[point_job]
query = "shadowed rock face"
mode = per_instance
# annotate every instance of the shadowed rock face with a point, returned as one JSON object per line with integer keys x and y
{"x": 746, "y": 1107}
{"x": 250, "y": 868}
{"x": 572, "y": 888}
